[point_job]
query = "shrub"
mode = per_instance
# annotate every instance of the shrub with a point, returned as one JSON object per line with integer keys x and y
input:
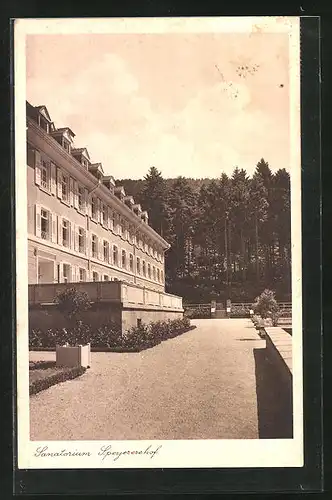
{"x": 108, "y": 335}
{"x": 240, "y": 312}
{"x": 265, "y": 304}
{"x": 71, "y": 303}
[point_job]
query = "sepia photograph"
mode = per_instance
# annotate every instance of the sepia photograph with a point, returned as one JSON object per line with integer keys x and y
{"x": 158, "y": 184}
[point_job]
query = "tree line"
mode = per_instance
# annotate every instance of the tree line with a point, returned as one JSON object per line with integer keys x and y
{"x": 230, "y": 237}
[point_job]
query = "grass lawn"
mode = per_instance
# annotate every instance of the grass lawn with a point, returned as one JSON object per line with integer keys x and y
{"x": 44, "y": 374}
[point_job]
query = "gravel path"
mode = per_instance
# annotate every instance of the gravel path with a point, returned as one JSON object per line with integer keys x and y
{"x": 200, "y": 385}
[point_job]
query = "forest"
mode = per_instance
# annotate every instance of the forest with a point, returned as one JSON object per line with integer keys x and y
{"x": 230, "y": 236}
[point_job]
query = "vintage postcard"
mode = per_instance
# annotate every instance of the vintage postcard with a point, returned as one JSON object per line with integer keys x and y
{"x": 158, "y": 216}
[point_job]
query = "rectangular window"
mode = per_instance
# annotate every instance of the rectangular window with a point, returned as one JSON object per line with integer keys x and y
{"x": 106, "y": 277}
{"x": 44, "y": 124}
{"x": 158, "y": 275}
{"x": 120, "y": 227}
{"x": 113, "y": 222}
{"x": 154, "y": 273}
{"x": 82, "y": 274}
{"x": 115, "y": 255}
{"x": 45, "y": 224}
{"x": 131, "y": 262}
{"x": 65, "y": 233}
{"x": 65, "y": 187}
{"x": 45, "y": 175}
{"x": 149, "y": 271}
{"x": 81, "y": 201}
{"x": 66, "y": 273}
{"x": 106, "y": 250}
{"x": 94, "y": 246}
{"x": 103, "y": 215}
{"x": 162, "y": 276}
{"x": 124, "y": 259}
{"x": 138, "y": 265}
{"x": 81, "y": 240}
{"x": 95, "y": 276}
{"x": 144, "y": 268}
{"x": 94, "y": 208}
{"x": 66, "y": 145}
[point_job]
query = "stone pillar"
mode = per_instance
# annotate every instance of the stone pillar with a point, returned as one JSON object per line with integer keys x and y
{"x": 213, "y": 308}
{"x": 228, "y": 308}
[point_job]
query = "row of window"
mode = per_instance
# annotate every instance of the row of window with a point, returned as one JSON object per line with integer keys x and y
{"x": 53, "y": 180}
{"x": 62, "y": 231}
{"x": 68, "y": 275}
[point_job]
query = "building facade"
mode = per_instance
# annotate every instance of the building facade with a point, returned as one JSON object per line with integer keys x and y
{"x": 81, "y": 226}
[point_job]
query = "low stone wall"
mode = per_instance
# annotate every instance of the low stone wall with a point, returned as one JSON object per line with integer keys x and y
{"x": 130, "y": 317}
{"x": 279, "y": 351}
{"x": 115, "y": 302}
{"x": 47, "y": 317}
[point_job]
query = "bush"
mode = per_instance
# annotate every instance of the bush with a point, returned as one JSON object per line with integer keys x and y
{"x": 71, "y": 303}
{"x": 240, "y": 312}
{"x": 265, "y": 304}
{"x": 109, "y": 335}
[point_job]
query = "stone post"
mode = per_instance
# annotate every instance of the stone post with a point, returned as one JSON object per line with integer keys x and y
{"x": 228, "y": 308}
{"x": 213, "y": 308}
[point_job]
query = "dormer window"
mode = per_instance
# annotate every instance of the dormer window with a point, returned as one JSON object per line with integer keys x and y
{"x": 43, "y": 118}
{"x": 64, "y": 136}
{"x": 120, "y": 193}
{"x": 66, "y": 145}
{"x": 96, "y": 169}
{"x": 109, "y": 182}
{"x": 129, "y": 201}
{"x": 43, "y": 124}
{"x": 137, "y": 209}
{"x": 145, "y": 217}
{"x": 82, "y": 156}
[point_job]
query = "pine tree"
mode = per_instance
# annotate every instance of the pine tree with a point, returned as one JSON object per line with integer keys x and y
{"x": 153, "y": 198}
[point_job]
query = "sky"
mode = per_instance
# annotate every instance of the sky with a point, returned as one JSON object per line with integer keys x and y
{"x": 194, "y": 105}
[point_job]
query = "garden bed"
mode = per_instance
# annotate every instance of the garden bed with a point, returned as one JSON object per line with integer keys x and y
{"x": 45, "y": 374}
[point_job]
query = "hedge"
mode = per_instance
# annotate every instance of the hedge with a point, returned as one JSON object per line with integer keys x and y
{"x": 109, "y": 336}
{"x": 56, "y": 378}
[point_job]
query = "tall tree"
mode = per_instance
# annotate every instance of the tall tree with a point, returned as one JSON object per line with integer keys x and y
{"x": 154, "y": 199}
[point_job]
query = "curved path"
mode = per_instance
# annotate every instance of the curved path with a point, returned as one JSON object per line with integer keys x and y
{"x": 200, "y": 385}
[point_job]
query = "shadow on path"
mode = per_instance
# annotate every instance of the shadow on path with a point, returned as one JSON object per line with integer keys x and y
{"x": 274, "y": 400}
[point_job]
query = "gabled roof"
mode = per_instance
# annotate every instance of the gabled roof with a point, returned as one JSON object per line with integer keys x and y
{"x": 97, "y": 166}
{"x": 43, "y": 110}
{"x": 65, "y": 129}
{"x": 130, "y": 199}
{"x": 82, "y": 151}
{"x": 137, "y": 207}
{"x": 109, "y": 179}
{"x": 120, "y": 189}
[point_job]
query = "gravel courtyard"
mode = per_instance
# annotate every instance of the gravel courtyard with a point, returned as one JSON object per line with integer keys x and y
{"x": 200, "y": 385}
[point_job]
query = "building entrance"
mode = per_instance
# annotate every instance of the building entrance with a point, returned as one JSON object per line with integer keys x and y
{"x": 45, "y": 271}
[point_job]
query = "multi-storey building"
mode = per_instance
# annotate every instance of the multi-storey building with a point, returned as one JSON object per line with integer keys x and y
{"x": 81, "y": 226}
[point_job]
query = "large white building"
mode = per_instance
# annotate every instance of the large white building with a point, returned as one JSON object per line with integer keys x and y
{"x": 81, "y": 226}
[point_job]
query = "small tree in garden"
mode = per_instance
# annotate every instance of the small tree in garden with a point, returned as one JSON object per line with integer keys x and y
{"x": 71, "y": 303}
{"x": 266, "y": 305}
